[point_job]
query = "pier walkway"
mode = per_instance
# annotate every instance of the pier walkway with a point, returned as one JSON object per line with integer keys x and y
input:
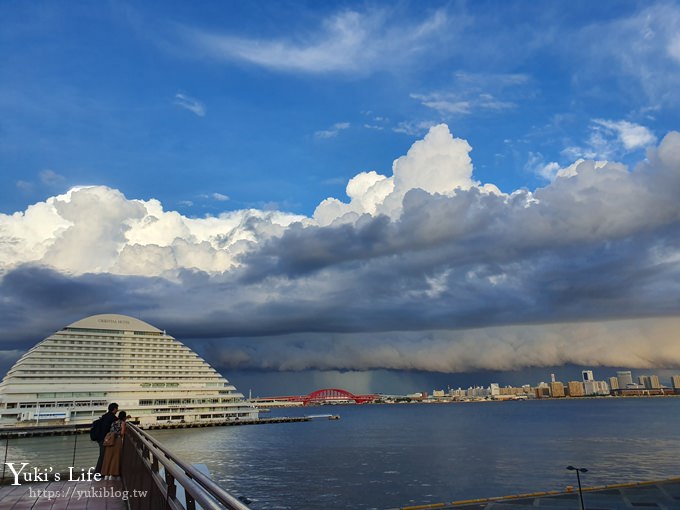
{"x": 104, "y": 495}
{"x": 663, "y": 495}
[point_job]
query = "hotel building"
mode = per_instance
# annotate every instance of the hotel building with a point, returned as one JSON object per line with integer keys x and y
{"x": 72, "y": 376}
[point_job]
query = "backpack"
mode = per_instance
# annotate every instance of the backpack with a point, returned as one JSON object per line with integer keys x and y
{"x": 96, "y": 430}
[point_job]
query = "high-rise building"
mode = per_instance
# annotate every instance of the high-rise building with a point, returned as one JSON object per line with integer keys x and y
{"x": 614, "y": 383}
{"x": 625, "y": 378}
{"x": 587, "y": 375}
{"x": 675, "y": 382}
{"x": 556, "y": 389}
{"x": 575, "y": 388}
{"x": 72, "y": 376}
{"x": 542, "y": 391}
{"x": 596, "y": 388}
{"x": 649, "y": 382}
{"x": 601, "y": 388}
{"x": 589, "y": 388}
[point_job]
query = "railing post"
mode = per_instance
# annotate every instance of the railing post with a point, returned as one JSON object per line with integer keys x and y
{"x": 75, "y": 446}
{"x": 190, "y": 502}
{"x": 172, "y": 488}
{"x": 4, "y": 465}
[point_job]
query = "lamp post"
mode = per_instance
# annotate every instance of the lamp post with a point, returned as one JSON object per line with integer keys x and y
{"x": 578, "y": 479}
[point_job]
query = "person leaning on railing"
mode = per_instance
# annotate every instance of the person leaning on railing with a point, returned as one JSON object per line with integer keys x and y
{"x": 103, "y": 428}
{"x": 112, "y": 456}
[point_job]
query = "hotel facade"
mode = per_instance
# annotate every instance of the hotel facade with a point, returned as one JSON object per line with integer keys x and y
{"x": 72, "y": 376}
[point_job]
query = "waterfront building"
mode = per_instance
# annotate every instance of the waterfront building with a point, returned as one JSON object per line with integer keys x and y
{"x": 587, "y": 375}
{"x": 654, "y": 380}
{"x": 557, "y": 389}
{"x": 650, "y": 382}
{"x": 589, "y": 388}
{"x": 72, "y": 375}
{"x": 477, "y": 391}
{"x": 638, "y": 391}
{"x": 614, "y": 383}
{"x": 675, "y": 382}
{"x": 602, "y": 388}
{"x": 542, "y": 391}
{"x": 575, "y": 388}
{"x": 459, "y": 393}
{"x": 494, "y": 389}
{"x": 524, "y": 391}
{"x": 625, "y": 378}
{"x": 595, "y": 388}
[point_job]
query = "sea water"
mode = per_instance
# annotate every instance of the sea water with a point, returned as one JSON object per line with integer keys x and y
{"x": 386, "y": 456}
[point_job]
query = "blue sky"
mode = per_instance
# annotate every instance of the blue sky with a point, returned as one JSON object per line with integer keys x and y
{"x": 278, "y": 105}
{"x": 206, "y": 151}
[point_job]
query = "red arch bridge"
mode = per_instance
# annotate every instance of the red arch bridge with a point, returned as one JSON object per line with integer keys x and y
{"x": 325, "y": 396}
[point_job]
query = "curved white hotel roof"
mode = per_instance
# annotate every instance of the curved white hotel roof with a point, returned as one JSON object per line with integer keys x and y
{"x": 73, "y": 375}
{"x": 114, "y": 322}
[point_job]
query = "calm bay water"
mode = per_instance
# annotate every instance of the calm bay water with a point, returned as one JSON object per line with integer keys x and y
{"x": 385, "y": 456}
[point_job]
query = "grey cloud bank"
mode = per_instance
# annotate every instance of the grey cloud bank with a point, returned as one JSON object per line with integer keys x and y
{"x": 426, "y": 269}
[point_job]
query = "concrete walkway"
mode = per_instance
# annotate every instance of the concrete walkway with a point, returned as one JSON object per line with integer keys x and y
{"x": 104, "y": 495}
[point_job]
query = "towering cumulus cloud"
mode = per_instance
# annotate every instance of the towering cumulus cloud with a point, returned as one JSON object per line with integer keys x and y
{"x": 439, "y": 164}
{"x": 424, "y": 269}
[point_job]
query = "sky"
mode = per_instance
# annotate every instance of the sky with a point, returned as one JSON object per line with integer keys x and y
{"x": 381, "y": 196}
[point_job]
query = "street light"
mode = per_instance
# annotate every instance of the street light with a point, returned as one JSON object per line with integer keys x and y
{"x": 578, "y": 479}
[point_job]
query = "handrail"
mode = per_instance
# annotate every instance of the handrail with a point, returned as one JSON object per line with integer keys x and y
{"x": 60, "y": 457}
{"x": 199, "y": 488}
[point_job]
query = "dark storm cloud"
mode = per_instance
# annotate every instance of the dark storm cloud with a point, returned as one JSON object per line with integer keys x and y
{"x": 36, "y": 301}
{"x": 601, "y": 242}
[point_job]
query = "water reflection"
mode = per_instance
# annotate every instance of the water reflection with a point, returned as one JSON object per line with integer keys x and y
{"x": 50, "y": 454}
{"x": 389, "y": 456}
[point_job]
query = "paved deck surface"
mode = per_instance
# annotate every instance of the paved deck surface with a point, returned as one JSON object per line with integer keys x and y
{"x": 664, "y": 495}
{"x": 104, "y": 495}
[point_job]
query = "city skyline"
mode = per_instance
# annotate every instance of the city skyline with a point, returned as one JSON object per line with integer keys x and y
{"x": 369, "y": 194}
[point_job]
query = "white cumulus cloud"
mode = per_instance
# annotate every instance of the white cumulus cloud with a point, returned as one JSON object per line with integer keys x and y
{"x": 438, "y": 164}
{"x": 97, "y": 229}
